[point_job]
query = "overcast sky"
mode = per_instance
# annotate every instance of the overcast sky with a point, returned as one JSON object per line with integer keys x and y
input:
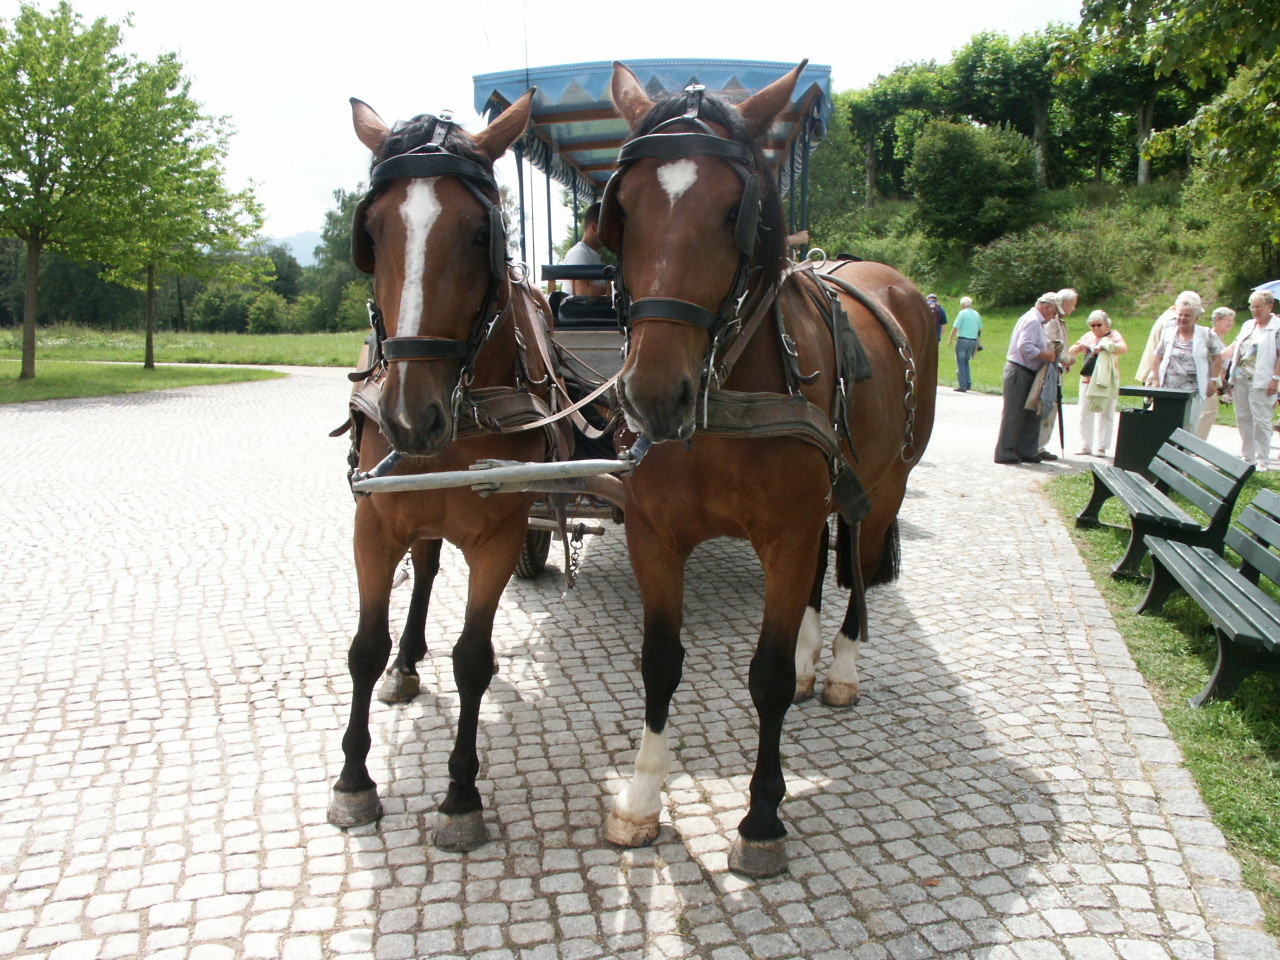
{"x": 283, "y": 72}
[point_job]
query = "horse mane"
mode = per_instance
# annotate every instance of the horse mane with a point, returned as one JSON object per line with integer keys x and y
{"x": 408, "y": 135}
{"x": 771, "y": 242}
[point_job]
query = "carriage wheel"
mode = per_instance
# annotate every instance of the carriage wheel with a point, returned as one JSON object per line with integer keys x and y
{"x": 533, "y": 555}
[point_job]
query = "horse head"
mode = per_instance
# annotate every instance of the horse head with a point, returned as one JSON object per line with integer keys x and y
{"x": 430, "y": 231}
{"x": 694, "y": 215}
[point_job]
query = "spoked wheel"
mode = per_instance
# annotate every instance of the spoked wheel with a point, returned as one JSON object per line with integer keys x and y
{"x": 533, "y": 555}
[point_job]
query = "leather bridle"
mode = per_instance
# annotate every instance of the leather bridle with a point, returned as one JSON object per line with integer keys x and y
{"x": 424, "y": 162}
{"x": 659, "y": 145}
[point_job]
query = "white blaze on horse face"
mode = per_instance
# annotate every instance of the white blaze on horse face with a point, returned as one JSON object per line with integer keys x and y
{"x": 419, "y": 210}
{"x": 677, "y": 177}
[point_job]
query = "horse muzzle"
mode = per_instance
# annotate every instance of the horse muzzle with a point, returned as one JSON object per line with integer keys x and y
{"x": 660, "y": 419}
{"x": 423, "y": 432}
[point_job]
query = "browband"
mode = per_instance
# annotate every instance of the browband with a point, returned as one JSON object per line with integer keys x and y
{"x": 431, "y": 164}
{"x": 676, "y": 146}
{"x": 422, "y": 348}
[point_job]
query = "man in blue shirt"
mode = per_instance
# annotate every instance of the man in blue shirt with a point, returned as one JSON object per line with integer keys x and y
{"x": 1029, "y": 350}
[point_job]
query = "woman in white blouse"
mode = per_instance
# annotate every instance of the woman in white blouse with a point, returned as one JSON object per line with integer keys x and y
{"x": 1255, "y": 377}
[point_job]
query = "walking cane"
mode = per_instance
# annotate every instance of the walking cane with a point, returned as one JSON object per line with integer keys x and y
{"x": 1062, "y": 434}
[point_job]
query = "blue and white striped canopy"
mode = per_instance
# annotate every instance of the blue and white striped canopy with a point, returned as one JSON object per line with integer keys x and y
{"x": 576, "y": 132}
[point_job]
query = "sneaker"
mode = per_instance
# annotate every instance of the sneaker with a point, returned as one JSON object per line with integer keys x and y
{"x": 1263, "y": 467}
{"x": 1083, "y": 452}
{"x": 1099, "y": 453}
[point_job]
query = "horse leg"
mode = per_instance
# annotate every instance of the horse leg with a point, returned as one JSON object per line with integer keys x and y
{"x": 355, "y": 795}
{"x": 840, "y": 687}
{"x": 460, "y": 820}
{"x": 759, "y": 849}
{"x": 660, "y": 574}
{"x": 400, "y": 684}
{"x": 809, "y": 642}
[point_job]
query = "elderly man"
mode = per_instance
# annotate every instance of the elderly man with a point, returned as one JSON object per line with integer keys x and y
{"x": 1056, "y": 333}
{"x": 1029, "y": 351}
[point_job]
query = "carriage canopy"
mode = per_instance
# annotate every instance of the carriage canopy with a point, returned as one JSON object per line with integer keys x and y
{"x": 575, "y": 134}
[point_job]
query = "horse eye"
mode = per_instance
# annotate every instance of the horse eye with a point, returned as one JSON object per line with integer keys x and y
{"x": 481, "y": 240}
{"x": 732, "y": 217}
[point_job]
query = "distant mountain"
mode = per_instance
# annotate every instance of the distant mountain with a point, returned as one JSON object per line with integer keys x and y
{"x": 302, "y": 246}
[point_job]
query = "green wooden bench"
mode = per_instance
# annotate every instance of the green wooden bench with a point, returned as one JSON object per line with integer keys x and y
{"x": 1205, "y": 476}
{"x": 1245, "y": 617}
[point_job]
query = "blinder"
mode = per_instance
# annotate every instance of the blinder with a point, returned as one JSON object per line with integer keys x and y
{"x": 426, "y": 162}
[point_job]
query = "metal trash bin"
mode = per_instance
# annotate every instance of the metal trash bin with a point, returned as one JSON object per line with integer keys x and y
{"x": 1142, "y": 433}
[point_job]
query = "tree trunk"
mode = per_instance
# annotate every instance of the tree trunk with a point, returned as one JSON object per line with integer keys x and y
{"x": 870, "y": 167}
{"x": 149, "y": 358}
{"x": 1040, "y": 135}
{"x": 28, "y": 371}
{"x": 1144, "y": 118}
{"x": 182, "y": 319}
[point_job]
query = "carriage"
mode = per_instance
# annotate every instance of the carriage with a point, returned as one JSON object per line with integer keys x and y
{"x": 736, "y": 400}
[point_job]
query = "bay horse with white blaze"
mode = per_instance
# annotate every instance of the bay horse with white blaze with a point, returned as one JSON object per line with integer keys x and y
{"x": 773, "y": 395}
{"x": 452, "y": 383}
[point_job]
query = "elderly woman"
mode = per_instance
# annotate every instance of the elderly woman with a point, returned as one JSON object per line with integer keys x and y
{"x": 1224, "y": 318}
{"x": 964, "y": 334}
{"x": 1146, "y": 373}
{"x": 1255, "y": 377}
{"x": 1100, "y": 386}
{"x": 1189, "y": 357}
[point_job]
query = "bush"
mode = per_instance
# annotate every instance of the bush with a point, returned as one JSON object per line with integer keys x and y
{"x": 353, "y": 309}
{"x": 973, "y": 183}
{"x": 270, "y": 313}
{"x": 221, "y": 309}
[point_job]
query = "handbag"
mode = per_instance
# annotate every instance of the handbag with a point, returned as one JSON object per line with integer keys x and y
{"x": 1086, "y": 368}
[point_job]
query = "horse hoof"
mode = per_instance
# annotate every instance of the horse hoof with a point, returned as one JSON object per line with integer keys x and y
{"x": 627, "y": 833}
{"x": 354, "y": 809}
{"x": 758, "y": 859}
{"x": 840, "y": 695}
{"x": 398, "y": 687}
{"x": 460, "y": 833}
{"x": 804, "y": 689}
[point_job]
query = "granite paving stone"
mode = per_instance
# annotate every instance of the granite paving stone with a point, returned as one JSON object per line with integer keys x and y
{"x": 176, "y": 601}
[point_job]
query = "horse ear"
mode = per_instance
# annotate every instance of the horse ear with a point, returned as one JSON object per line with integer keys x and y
{"x": 369, "y": 126}
{"x": 759, "y": 111}
{"x": 494, "y": 139}
{"x": 628, "y": 95}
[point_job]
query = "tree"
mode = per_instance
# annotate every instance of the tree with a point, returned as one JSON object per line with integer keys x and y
{"x": 1238, "y": 132}
{"x": 887, "y": 116}
{"x": 333, "y": 271}
{"x": 996, "y": 81}
{"x": 973, "y": 183}
{"x": 78, "y": 128}
{"x": 182, "y": 219}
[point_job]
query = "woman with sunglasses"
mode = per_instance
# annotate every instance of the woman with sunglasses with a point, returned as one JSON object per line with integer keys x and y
{"x": 1099, "y": 382}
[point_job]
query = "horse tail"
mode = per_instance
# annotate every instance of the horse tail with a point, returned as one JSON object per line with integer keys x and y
{"x": 891, "y": 559}
{"x": 844, "y": 555}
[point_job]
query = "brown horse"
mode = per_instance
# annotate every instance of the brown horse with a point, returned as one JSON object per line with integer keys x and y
{"x": 735, "y": 363}
{"x": 452, "y": 374}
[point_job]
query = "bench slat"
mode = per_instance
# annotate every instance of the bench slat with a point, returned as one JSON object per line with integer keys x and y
{"x": 1229, "y": 464}
{"x": 1203, "y": 473}
{"x": 1140, "y": 497}
{"x": 1238, "y": 607}
{"x": 1174, "y": 478}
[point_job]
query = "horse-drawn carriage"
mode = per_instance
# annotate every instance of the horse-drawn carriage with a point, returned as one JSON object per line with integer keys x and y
{"x": 758, "y": 397}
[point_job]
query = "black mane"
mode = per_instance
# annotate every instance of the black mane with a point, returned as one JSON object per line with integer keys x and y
{"x": 410, "y": 134}
{"x": 771, "y": 240}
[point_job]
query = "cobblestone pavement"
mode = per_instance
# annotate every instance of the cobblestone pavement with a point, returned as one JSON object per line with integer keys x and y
{"x": 176, "y": 597}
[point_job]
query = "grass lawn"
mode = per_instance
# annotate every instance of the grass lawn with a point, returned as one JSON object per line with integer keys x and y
{"x": 65, "y": 342}
{"x": 62, "y": 379}
{"x": 1231, "y": 748}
